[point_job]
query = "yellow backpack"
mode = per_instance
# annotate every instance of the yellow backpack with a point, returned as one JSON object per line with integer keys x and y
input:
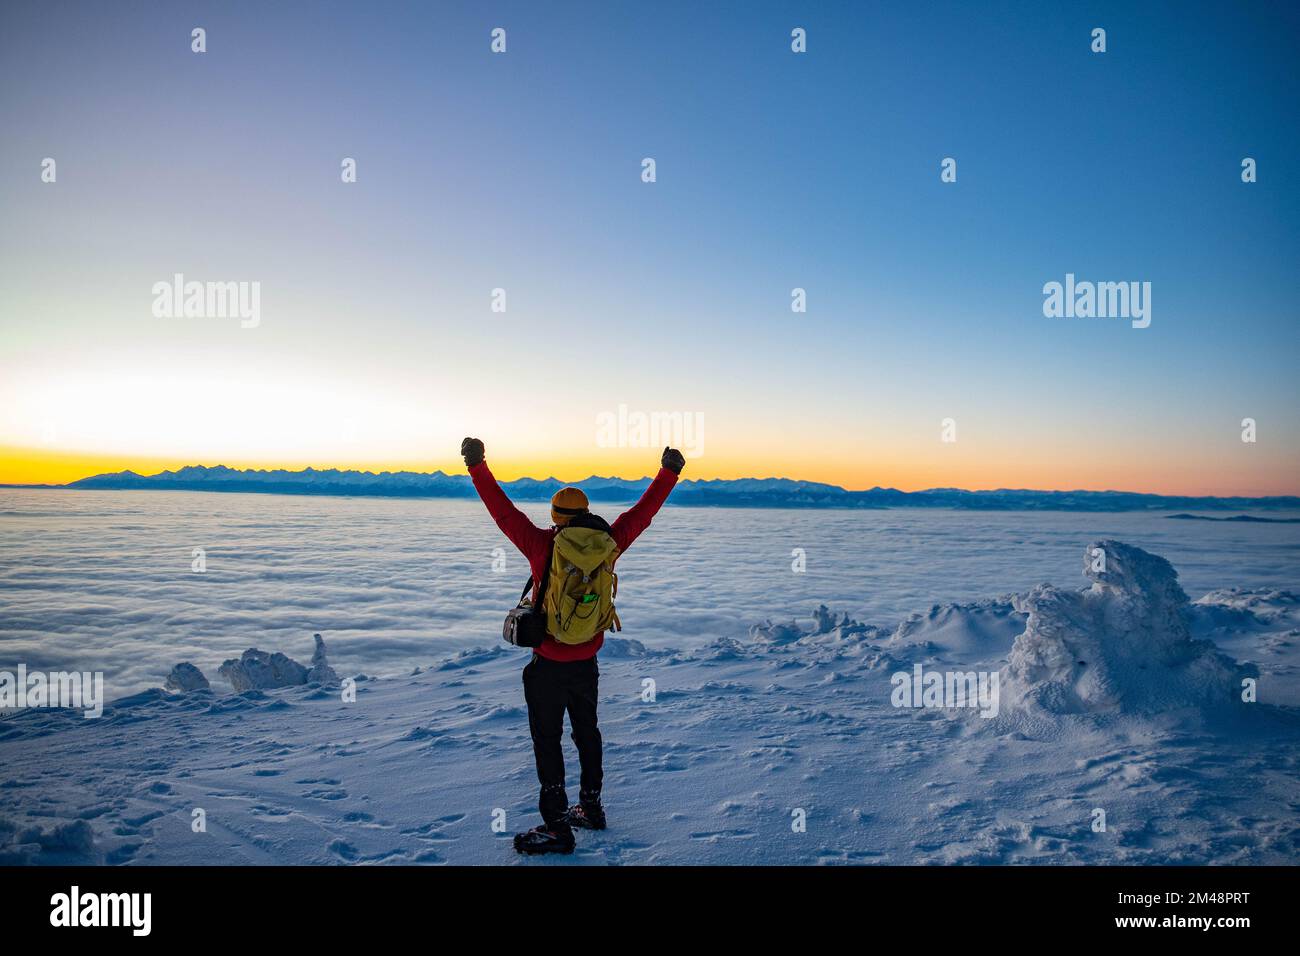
{"x": 581, "y": 585}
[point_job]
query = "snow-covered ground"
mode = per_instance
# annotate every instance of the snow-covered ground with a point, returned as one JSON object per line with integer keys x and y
{"x": 1119, "y": 699}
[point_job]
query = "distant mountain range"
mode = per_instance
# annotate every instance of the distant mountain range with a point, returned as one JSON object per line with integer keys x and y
{"x": 740, "y": 492}
{"x": 1247, "y": 518}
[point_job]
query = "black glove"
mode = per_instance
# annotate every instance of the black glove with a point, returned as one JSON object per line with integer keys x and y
{"x": 673, "y": 460}
{"x": 472, "y": 449}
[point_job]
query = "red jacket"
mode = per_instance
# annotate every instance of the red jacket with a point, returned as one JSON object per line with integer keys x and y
{"x": 535, "y": 542}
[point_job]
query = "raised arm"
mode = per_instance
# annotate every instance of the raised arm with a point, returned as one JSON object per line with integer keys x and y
{"x": 628, "y": 526}
{"x": 523, "y": 534}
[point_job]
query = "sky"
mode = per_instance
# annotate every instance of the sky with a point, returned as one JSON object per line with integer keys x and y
{"x": 376, "y": 345}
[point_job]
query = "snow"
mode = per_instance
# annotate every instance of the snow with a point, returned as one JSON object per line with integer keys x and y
{"x": 712, "y": 747}
{"x": 63, "y": 843}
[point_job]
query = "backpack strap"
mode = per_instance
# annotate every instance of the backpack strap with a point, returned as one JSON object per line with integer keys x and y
{"x": 546, "y": 575}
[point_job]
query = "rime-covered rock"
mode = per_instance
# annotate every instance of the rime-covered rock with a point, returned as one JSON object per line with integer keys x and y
{"x": 184, "y": 678}
{"x": 826, "y": 630}
{"x": 258, "y": 670}
{"x": 1123, "y": 644}
{"x": 320, "y": 672}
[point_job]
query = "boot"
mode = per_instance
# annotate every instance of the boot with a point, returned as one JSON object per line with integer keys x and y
{"x": 548, "y": 838}
{"x": 587, "y": 814}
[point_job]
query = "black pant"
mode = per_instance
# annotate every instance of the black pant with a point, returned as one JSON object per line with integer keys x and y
{"x": 551, "y": 688}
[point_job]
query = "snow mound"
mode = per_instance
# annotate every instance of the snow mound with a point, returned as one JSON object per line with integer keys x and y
{"x": 620, "y": 648}
{"x": 1122, "y": 645}
{"x": 985, "y": 630}
{"x": 1264, "y": 606}
{"x": 258, "y": 670}
{"x": 768, "y": 632}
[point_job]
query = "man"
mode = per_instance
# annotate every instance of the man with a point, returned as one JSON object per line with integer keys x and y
{"x": 563, "y": 676}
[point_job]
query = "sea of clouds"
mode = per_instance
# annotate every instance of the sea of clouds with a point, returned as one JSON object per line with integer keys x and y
{"x": 105, "y": 581}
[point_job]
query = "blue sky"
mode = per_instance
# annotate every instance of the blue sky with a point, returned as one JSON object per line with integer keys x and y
{"x": 775, "y": 171}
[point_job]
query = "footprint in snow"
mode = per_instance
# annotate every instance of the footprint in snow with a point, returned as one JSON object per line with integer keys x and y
{"x": 343, "y": 849}
{"x": 326, "y": 794}
{"x": 713, "y": 836}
